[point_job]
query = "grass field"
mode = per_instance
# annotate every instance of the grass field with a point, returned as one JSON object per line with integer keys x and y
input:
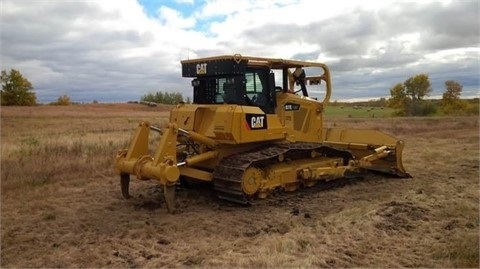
{"x": 358, "y": 111}
{"x": 61, "y": 204}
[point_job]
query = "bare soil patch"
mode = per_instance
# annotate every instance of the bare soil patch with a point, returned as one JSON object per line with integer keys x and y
{"x": 61, "y": 204}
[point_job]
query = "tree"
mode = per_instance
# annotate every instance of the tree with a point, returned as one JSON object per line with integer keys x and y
{"x": 453, "y": 90}
{"x": 408, "y": 97}
{"x": 451, "y": 103}
{"x": 399, "y": 99}
{"x": 16, "y": 90}
{"x": 63, "y": 100}
{"x": 417, "y": 88}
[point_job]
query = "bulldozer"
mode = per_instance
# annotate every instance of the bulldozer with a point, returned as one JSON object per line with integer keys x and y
{"x": 253, "y": 129}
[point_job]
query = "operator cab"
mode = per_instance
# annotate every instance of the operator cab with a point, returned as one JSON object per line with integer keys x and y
{"x": 250, "y": 81}
{"x": 226, "y": 81}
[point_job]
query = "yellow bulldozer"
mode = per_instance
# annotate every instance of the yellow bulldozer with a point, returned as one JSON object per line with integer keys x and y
{"x": 253, "y": 129}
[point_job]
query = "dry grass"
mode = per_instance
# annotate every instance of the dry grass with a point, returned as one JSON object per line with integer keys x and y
{"x": 42, "y": 145}
{"x": 61, "y": 205}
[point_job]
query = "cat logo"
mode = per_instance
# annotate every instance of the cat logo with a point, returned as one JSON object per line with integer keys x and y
{"x": 256, "y": 122}
{"x": 202, "y": 69}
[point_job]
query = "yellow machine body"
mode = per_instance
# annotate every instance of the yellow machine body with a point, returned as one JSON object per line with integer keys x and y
{"x": 250, "y": 135}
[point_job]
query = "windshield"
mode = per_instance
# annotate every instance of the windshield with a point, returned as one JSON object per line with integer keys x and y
{"x": 250, "y": 89}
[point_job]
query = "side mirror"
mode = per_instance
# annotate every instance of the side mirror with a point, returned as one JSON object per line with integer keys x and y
{"x": 195, "y": 83}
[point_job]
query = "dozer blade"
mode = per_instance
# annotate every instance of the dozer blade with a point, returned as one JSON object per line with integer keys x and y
{"x": 373, "y": 150}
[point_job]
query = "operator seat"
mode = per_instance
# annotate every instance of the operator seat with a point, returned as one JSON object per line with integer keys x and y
{"x": 229, "y": 93}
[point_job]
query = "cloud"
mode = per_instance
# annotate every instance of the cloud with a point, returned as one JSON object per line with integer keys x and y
{"x": 87, "y": 49}
{"x": 120, "y": 50}
{"x": 173, "y": 18}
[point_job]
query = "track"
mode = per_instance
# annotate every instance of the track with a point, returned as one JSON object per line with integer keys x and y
{"x": 228, "y": 173}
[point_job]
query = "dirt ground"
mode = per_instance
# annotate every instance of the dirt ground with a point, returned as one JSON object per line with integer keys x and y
{"x": 77, "y": 218}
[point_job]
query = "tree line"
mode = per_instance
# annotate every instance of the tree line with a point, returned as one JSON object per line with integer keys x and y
{"x": 407, "y": 98}
{"x": 169, "y": 98}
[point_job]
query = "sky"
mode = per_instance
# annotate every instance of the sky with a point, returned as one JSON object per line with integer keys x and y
{"x": 120, "y": 50}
